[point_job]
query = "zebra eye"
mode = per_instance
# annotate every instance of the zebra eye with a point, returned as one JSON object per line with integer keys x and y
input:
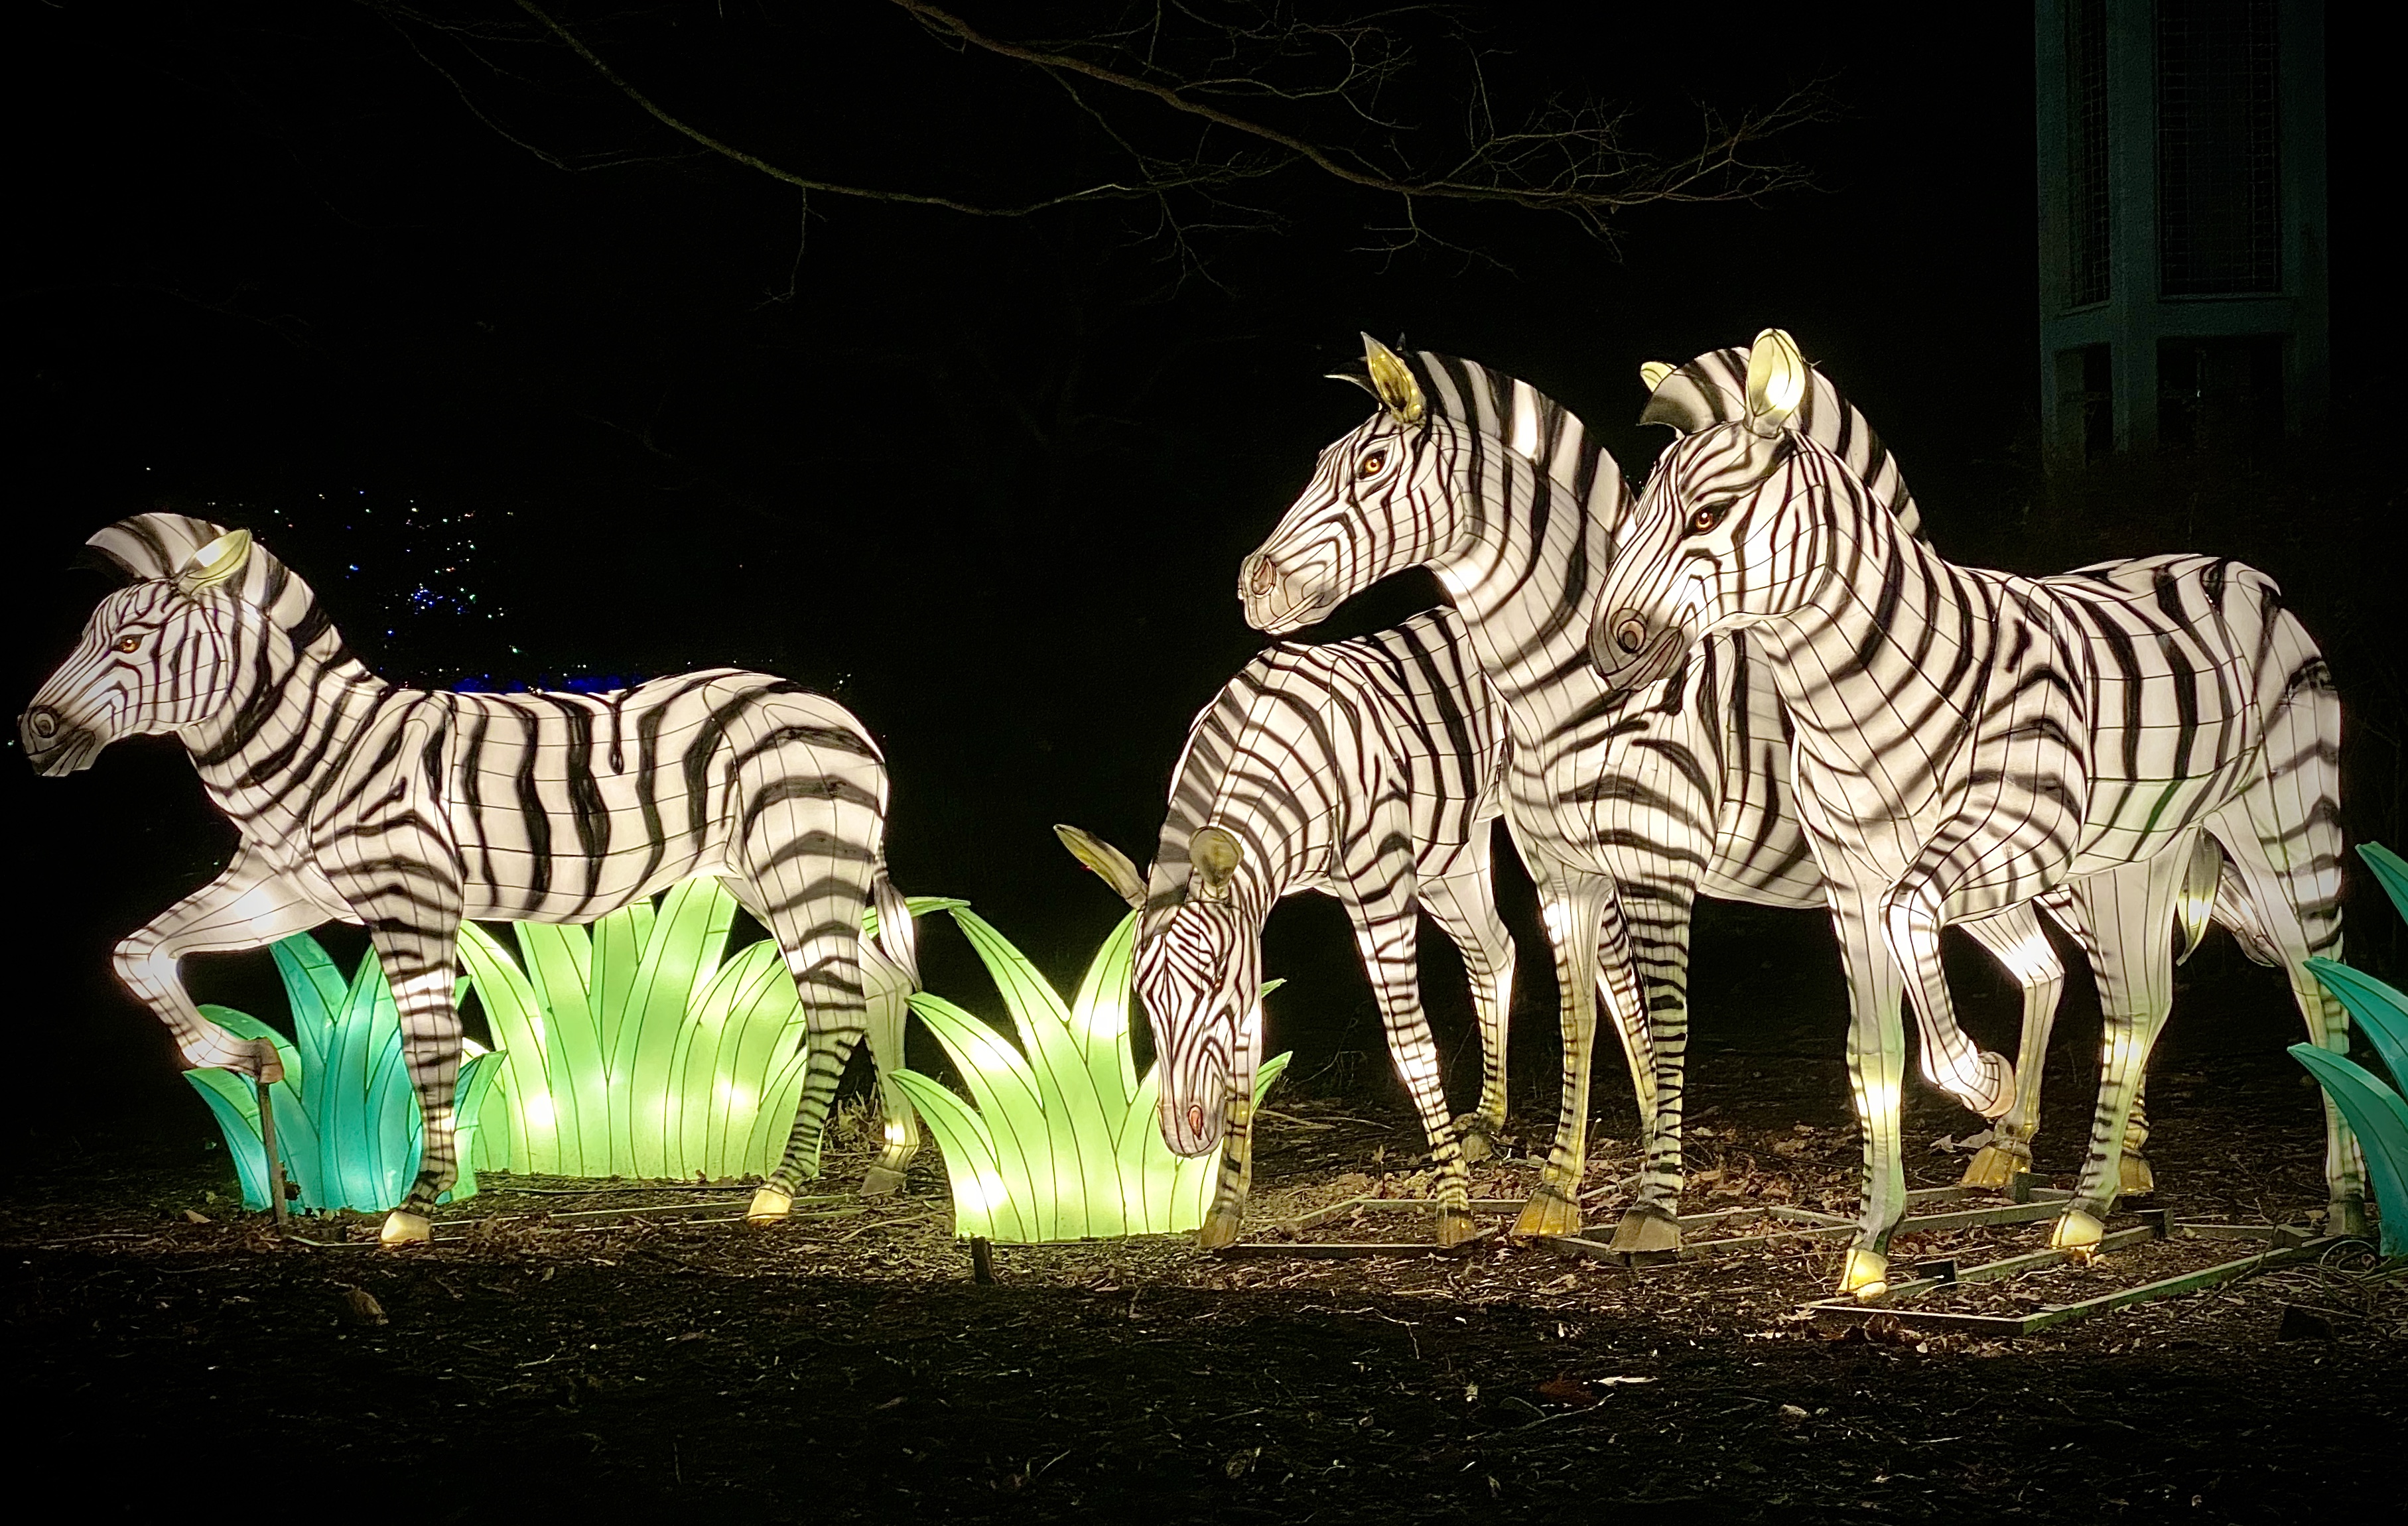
{"x": 128, "y": 643}
{"x": 1371, "y": 464}
{"x": 1708, "y": 516}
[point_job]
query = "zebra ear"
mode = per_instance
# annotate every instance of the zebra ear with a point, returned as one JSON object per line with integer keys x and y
{"x": 1108, "y": 862}
{"x": 1776, "y": 381}
{"x": 1364, "y": 382}
{"x": 215, "y": 562}
{"x": 1393, "y": 383}
{"x": 1652, "y": 373}
{"x": 1215, "y": 853}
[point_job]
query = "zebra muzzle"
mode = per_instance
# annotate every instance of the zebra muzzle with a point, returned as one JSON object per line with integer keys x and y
{"x": 1261, "y": 572}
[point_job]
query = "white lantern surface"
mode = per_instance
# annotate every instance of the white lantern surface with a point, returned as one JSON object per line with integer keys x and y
{"x": 1625, "y": 808}
{"x": 410, "y": 810}
{"x": 1970, "y": 741}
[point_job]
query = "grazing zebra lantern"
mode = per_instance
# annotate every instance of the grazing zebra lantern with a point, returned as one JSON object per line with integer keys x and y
{"x": 1969, "y": 741}
{"x": 407, "y": 810}
{"x": 1624, "y": 807}
{"x": 1369, "y": 770}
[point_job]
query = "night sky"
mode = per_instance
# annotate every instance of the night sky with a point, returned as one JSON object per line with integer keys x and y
{"x": 986, "y": 482}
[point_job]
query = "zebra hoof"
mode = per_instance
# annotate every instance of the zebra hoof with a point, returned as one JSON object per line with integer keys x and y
{"x": 2347, "y": 1218}
{"x": 770, "y": 1206}
{"x": 1866, "y": 1275}
{"x": 1550, "y": 1211}
{"x": 1220, "y": 1229}
{"x": 402, "y": 1227}
{"x": 2078, "y": 1232}
{"x": 2134, "y": 1177}
{"x": 1455, "y": 1227}
{"x": 1646, "y": 1231}
{"x": 1994, "y": 1168}
{"x": 880, "y": 1180}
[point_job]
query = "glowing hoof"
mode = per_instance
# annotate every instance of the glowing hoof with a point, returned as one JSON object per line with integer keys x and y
{"x": 1220, "y": 1229}
{"x": 1548, "y": 1212}
{"x": 1994, "y": 1168}
{"x": 881, "y": 1180}
{"x": 1866, "y": 1277}
{"x": 1646, "y": 1231}
{"x": 2134, "y": 1177}
{"x": 2077, "y": 1231}
{"x": 402, "y": 1227}
{"x": 1454, "y": 1226}
{"x": 770, "y": 1206}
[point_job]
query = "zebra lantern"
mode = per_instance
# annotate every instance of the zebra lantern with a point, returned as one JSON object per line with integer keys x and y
{"x": 407, "y": 810}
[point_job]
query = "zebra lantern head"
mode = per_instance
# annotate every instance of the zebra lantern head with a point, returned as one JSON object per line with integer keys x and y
{"x": 1709, "y": 547}
{"x": 1376, "y": 505}
{"x": 153, "y": 657}
{"x": 1200, "y": 955}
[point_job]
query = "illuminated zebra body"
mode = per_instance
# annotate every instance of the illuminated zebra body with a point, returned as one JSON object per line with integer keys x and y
{"x": 1367, "y": 770}
{"x": 409, "y": 810}
{"x": 1968, "y": 741}
{"x": 1624, "y": 807}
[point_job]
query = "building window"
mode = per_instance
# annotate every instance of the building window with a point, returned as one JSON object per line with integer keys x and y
{"x": 2220, "y": 225}
{"x": 2220, "y": 394}
{"x": 2086, "y": 150}
{"x": 2086, "y": 398}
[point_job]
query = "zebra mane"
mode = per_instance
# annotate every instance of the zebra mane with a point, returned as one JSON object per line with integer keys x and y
{"x": 1487, "y": 402}
{"x": 155, "y": 547}
{"x": 1713, "y": 389}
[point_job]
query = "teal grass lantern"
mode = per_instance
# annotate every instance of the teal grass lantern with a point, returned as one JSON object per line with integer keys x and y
{"x": 347, "y": 1121}
{"x": 2377, "y": 1113}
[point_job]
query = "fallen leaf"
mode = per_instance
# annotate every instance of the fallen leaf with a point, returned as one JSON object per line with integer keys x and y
{"x": 1562, "y": 1390}
{"x": 361, "y": 1304}
{"x": 194, "y": 1216}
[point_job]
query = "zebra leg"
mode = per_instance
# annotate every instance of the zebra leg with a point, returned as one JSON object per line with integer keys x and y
{"x": 2133, "y": 1176}
{"x": 1646, "y": 984}
{"x": 247, "y": 906}
{"x": 1385, "y": 931}
{"x": 1876, "y": 1067}
{"x": 811, "y": 852}
{"x": 1911, "y": 922}
{"x": 2017, "y": 940}
{"x": 888, "y": 1003}
{"x": 1226, "y": 1216}
{"x": 2288, "y": 856}
{"x": 1465, "y": 910}
{"x": 1572, "y": 911}
{"x": 2125, "y": 912}
{"x": 421, "y": 966}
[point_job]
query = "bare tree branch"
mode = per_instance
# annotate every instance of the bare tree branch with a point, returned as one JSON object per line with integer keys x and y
{"x": 1186, "y": 64}
{"x": 750, "y": 160}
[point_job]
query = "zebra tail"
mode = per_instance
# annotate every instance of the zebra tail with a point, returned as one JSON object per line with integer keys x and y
{"x": 897, "y": 938}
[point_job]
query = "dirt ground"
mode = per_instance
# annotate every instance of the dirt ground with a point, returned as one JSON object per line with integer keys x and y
{"x": 844, "y": 1366}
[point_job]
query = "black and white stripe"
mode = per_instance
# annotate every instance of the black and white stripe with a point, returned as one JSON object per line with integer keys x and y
{"x": 1968, "y": 741}
{"x": 1370, "y": 771}
{"x": 1624, "y": 809}
{"x": 408, "y": 810}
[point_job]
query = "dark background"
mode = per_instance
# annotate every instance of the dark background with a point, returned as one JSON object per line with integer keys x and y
{"x": 987, "y": 482}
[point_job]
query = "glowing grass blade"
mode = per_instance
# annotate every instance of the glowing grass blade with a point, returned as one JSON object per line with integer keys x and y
{"x": 2379, "y": 1010}
{"x": 2390, "y": 872}
{"x": 236, "y": 1111}
{"x": 1004, "y": 1089}
{"x": 575, "y": 1076}
{"x": 1086, "y": 1178}
{"x": 1099, "y": 1015}
{"x": 983, "y": 1207}
{"x": 2380, "y": 1119}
